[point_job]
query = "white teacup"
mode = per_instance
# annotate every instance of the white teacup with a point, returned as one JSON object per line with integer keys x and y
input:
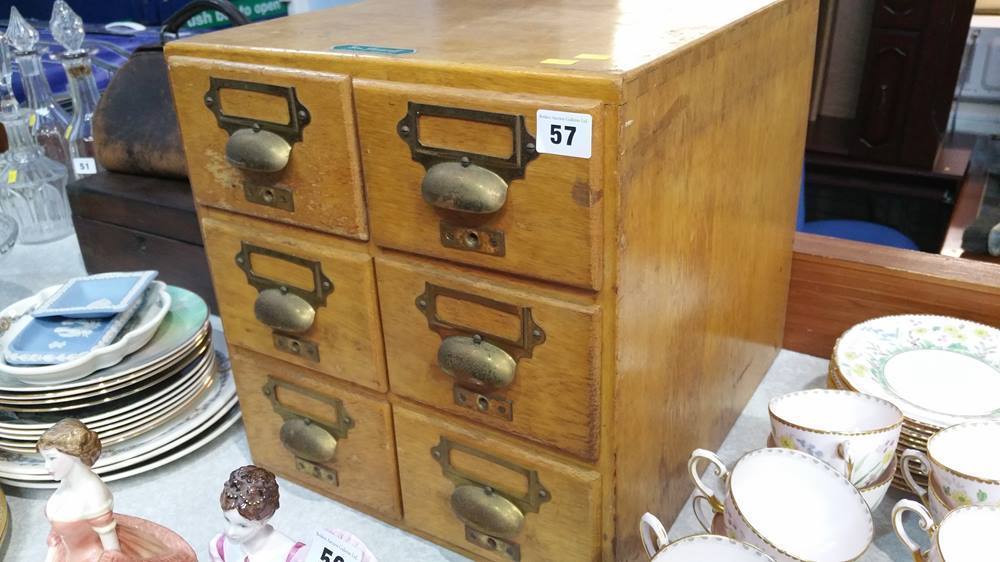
{"x": 855, "y": 433}
{"x": 698, "y": 547}
{"x": 790, "y": 505}
{"x": 873, "y": 493}
{"x": 938, "y": 508}
{"x": 964, "y": 461}
{"x": 968, "y": 534}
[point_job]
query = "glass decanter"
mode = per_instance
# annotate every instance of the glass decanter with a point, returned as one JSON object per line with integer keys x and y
{"x": 48, "y": 119}
{"x": 67, "y": 28}
{"x": 32, "y": 186}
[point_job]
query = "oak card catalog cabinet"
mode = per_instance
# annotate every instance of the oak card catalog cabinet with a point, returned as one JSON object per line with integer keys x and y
{"x": 490, "y": 270}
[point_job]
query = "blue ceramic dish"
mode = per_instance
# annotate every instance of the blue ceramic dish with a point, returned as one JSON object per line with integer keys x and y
{"x": 98, "y": 296}
{"x": 54, "y": 340}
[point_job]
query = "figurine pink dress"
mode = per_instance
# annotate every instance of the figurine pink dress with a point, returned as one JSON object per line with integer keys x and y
{"x": 139, "y": 540}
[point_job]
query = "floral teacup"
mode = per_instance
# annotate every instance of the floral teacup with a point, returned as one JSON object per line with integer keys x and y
{"x": 698, "y": 547}
{"x": 968, "y": 534}
{"x": 964, "y": 462}
{"x": 789, "y": 504}
{"x": 855, "y": 433}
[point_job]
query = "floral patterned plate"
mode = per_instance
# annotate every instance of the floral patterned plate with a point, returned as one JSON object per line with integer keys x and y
{"x": 939, "y": 371}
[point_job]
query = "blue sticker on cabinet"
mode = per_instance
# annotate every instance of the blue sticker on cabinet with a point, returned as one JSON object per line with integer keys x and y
{"x": 372, "y": 50}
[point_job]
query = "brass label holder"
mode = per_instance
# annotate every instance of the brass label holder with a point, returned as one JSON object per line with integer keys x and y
{"x": 530, "y": 502}
{"x": 307, "y": 453}
{"x": 511, "y": 168}
{"x": 287, "y": 309}
{"x": 483, "y": 179}
{"x": 482, "y": 400}
{"x": 298, "y": 114}
{"x": 531, "y": 334}
{"x": 257, "y": 145}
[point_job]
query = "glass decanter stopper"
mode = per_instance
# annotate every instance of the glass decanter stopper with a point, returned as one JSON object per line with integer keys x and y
{"x": 48, "y": 120}
{"x": 67, "y": 29}
{"x": 32, "y": 186}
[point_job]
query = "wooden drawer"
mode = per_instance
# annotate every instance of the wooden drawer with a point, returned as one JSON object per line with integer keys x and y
{"x": 301, "y": 426}
{"x": 415, "y": 140}
{"x": 301, "y": 167}
{"x": 298, "y": 295}
{"x": 500, "y": 352}
{"x": 443, "y": 464}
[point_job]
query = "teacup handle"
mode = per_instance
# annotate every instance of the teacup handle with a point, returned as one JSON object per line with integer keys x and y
{"x": 654, "y": 536}
{"x": 910, "y": 456}
{"x": 926, "y": 523}
{"x": 720, "y": 470}
{"x": 699, "y": 514}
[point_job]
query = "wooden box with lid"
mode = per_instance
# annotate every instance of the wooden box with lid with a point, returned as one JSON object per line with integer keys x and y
{"x": 491, "y": 271}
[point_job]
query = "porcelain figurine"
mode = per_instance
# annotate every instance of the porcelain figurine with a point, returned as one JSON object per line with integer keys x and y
{"x": 249, "y": 499}
{"x": 85, "y": 527}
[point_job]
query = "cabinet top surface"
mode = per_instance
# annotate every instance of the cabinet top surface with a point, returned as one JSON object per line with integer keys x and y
{"x": 543, "y": 36}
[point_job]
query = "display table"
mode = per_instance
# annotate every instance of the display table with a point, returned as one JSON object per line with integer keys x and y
{"x": 183, "y": 495}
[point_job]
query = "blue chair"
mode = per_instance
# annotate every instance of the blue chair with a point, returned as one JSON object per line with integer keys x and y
{"x": 859, "y": 231}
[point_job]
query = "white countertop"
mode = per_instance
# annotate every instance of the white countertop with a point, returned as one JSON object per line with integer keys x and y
{"x": 183, "y": 495}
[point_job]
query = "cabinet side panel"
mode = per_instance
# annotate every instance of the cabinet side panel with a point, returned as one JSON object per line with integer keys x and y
{"x": 711, "y": 155}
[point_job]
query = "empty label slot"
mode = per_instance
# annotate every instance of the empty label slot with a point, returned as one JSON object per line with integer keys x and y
{"x": 254, "y": 105}
{"x": 468, "y": 136}
{"x": 489, "y": 473}
{"x": 283, "y": 271}
{"x": 479, "y": 318}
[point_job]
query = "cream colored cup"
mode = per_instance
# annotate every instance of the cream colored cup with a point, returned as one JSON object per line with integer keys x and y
{"x": 963, "y": 460}
{"x": 853, "y": 432}
{"x": 788, "y": 504}
{"x": 968, "y": 534}
{"x": 873, "y": 493}
{"x": 698, "y": 547}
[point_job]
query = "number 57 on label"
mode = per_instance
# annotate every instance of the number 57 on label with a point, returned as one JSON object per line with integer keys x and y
{"x": 563, "y": 133}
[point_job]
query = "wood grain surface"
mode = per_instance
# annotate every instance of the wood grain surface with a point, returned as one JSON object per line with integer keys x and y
{"x": 346, "y": 329}
{"x": 565, "y": 528}
{"x": 839, "y": 283}
{"x": 323, "y": 171}
{"x": 551, "y": 220}
{"x": 555, "y": 393}
{"x": 365, "y": 460}
{"x": 710, "y": 174}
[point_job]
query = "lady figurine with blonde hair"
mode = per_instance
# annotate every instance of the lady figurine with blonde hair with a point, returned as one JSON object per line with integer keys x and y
{"x": 85, "y": 527}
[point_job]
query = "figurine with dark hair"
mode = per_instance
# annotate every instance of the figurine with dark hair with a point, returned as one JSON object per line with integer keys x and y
{"x": 84, "y": 525}
{"x": 248, "y": 500}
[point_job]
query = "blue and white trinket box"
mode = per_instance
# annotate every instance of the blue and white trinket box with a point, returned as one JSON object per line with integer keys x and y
{"x": 54, "y": 340}
{"x": 97, "y": 296}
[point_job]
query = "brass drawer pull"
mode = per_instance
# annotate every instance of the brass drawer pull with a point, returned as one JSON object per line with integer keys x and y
{"x": 475, "y": 363}
{"x": 308, "y": 439}
{"x": 284, "y": 311}
{"x": 480, "y": 362}
{"x": 492, "y": 516}
{"x": 281, "y": 306}
{"x": 463, "y": 187}
{"x": 256, "y": 145}
{"x": 480, "y": 507}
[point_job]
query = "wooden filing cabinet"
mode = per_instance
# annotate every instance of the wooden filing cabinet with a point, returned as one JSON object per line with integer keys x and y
{"x": 538, "y": 252}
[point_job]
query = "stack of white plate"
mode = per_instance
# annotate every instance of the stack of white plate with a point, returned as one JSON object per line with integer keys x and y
{"x": 939, "y": 371}
{"x": 155, "y": 405}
